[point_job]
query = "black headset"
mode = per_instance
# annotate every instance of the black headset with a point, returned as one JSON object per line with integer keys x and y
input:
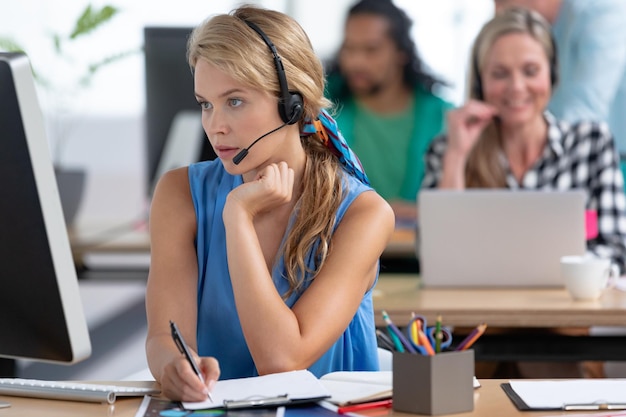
{"x": 477, "y": 84}
{"x": 290, "y": 104}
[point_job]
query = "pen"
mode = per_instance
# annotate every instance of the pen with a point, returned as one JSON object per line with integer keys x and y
{"x": 384, "y": 340}
{"x": 392, "y": 327}
{"x": 365, "y": 406}
{"x": 582, "y": 407}
{"x": 438, "y": 335}
{"x": 472, "y": 337}
{"x": 182, "y": 347}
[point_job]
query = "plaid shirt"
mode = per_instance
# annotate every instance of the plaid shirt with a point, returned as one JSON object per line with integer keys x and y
{"x": 577, "y": 156}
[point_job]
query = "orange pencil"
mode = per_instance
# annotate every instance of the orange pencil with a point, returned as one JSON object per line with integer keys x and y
{"x": 472, "y": 337}
{"x": 423, "y": 339}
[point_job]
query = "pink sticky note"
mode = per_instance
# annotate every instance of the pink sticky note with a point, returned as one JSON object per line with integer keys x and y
{"x": 591, "y": 224}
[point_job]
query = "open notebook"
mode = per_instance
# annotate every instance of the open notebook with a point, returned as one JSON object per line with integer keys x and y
{"x": 357, "y": 387}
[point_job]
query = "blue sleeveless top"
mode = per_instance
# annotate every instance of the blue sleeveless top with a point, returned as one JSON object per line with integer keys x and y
{"x": 219, "y": 331}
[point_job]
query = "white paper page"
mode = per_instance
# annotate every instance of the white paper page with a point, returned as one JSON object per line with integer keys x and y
{"x": 355, "y": 386}
{"x": 296, "y": 384}
{"x": 556, "y": 394}
{"x": 371, "y": 377}
{"x": 343, "y": 392}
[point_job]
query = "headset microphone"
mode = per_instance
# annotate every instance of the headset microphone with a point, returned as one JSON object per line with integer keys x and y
{"x": 244, "y": 152}
{"x": 290, "y": 104}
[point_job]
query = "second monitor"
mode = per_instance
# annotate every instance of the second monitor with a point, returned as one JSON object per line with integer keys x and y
{"x": 170, "y": 98}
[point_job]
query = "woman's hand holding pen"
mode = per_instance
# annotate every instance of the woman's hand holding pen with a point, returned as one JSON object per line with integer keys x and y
{"x": 180, "y": 383}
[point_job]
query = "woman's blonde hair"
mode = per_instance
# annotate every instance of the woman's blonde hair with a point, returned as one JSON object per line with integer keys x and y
{"x": 228, "y": 43}
{"x": 484, "y": 168}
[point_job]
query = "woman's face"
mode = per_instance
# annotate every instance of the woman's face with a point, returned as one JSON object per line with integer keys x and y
{"x": 516, "y": 79}
{"x": 234, "y": 115}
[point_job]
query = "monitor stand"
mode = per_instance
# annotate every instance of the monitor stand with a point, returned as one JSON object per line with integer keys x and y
{"x": 7, "y": 368}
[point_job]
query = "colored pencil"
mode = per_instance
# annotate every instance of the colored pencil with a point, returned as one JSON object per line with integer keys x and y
{"x": 392, "y": 327}
{"x": 365, "y": 406}
{"x": 472, "y": 337}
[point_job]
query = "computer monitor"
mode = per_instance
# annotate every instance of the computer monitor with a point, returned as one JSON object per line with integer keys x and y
{"x": 169, "y": 99}
{"x": 41, "y": 313}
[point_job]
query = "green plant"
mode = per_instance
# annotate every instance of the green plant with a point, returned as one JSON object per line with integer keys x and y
{"x": 88, "y": 21}
{"x": 61, "y": 93}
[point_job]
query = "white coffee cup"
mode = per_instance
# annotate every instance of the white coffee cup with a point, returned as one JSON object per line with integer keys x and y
{"x": 586, "y": 276}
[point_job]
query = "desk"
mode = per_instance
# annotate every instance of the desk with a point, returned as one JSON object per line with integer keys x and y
{"x": 489, "y": 401}
{"x": 120, "y": 241}
{"x": 402, "y": 244}
{"x": 539, "y": 309}
{"x": 399, "y": 254}
{"x": 123, "y": 238}
{"x": 30, "y": 407}
{"x": 125, "y": 246}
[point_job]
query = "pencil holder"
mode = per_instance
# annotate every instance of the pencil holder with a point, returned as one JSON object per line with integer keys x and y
{"x": 432, "y": 385}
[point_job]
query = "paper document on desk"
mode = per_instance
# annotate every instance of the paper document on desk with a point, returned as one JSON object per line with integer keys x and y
{"x": 358, "y": 386}
{"x": 355, "y": 387}
{"x": 579, "y": 394}
{"x": 282, "y": 388}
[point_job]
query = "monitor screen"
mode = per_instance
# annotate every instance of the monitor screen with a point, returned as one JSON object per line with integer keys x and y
{"x": 169, "y": 99}
{"x": 41, "y": 313}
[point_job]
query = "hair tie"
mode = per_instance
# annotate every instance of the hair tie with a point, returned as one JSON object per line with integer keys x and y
{"x": 328, "y": 132}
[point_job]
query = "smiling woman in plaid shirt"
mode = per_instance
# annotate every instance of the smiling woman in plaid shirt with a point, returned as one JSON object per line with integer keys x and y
{"x": 503, "y": 137}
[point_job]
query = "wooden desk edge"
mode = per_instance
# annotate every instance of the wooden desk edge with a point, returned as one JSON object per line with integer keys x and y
{"x": 489, "y": 400}
{"x": 399, "y": 295}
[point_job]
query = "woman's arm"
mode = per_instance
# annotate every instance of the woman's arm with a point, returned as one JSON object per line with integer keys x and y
{"x": 280, "y": 338}
{"x": 608, "y": 191}
{"x": 465, "y": 126}
{"x": 172, "y": 290}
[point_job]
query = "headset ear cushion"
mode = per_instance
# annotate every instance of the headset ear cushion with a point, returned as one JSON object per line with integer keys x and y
{"x": 554, "y": 72}
{"x": 477, "y": 88}
{"x": 291, "y": 110}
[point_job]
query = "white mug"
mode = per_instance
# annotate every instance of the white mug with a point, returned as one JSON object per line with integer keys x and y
{"x": 586, "y": 276}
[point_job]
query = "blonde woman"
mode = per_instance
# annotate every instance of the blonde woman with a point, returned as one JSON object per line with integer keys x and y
{"x": 266, "y": 257}
{"x": 503, "y": 137}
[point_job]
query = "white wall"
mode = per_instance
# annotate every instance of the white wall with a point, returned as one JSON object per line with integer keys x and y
{"x": 102, "y": 125}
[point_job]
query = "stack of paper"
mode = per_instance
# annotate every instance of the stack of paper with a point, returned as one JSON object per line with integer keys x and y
{"x": 577, "y": 394}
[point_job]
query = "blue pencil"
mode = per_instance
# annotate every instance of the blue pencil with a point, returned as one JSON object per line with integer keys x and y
{"x": 392, "y": 327}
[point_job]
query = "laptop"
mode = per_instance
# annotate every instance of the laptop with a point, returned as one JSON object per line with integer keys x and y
{"x": 497, "y": 237}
